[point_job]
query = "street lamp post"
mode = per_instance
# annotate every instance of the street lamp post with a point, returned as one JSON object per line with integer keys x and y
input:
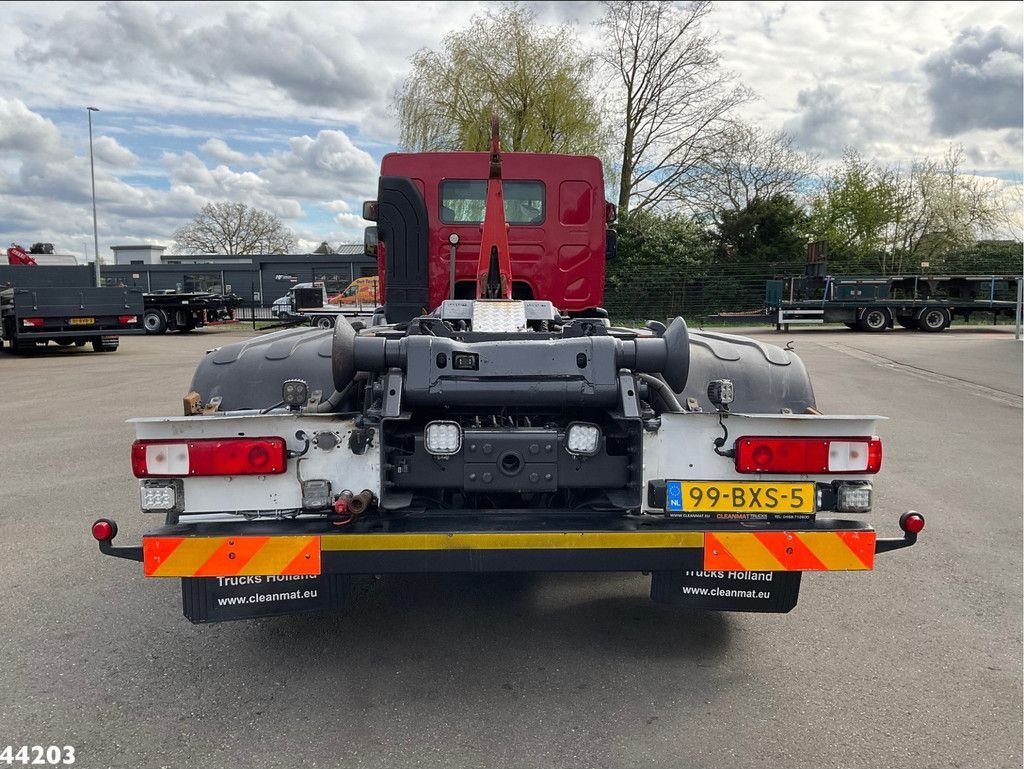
{"x": 95, "y": 229}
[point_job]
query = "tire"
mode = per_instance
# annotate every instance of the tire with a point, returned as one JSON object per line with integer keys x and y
{"x": 325, "y": 322}
{"x": 907, "y": 321}
{"x": 851, "y": 326}
{"x": 874, "y": 319}
{"x": 101, "y": 345}
{"x": 154, "y": 322}
{"x": 79, "y": 343}
{"x": 64, "y": 342}
{"x": 934, "y": 319}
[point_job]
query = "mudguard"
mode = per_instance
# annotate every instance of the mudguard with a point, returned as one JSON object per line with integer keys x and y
{"x": 248, "y": 375}
{"x": 767, "y": 378}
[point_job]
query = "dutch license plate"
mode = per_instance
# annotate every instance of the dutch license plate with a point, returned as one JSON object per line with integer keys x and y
{"x": 740, "y": 497}
{"x": 82, "y": 321}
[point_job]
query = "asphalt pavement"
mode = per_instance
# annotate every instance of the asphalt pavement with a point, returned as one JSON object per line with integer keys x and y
{"x": 916, "y": 664}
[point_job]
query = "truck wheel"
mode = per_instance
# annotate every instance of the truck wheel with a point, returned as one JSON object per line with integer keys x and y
{"x": 907, "y": 321}
{"x": 874, "y": 319}
{"x": 154, "y": 322}
{"x": 851, "y": 326}
{"x": 104, "y": 345}
{"x": 934, "y": 319}
{"x": 64, "y": 342}
{"x": 325, "y": 322}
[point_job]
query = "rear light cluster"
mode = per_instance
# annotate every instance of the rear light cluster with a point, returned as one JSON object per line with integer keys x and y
{"x": 127, "y": 320}
{"x": 32, "y": 322}
{"x": 765, "y": 454}
{"x": 209, "y": 456}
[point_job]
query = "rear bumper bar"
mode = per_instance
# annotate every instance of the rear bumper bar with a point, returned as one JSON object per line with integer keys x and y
{"x": 500, "y": 543}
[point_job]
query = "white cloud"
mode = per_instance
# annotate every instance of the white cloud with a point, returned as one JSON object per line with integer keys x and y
{"x": 854, "y": 72}
{"x": 107, "y": 150}
{"x": 218, "y": 149}
{"x": 280, "y": 106}
{"x": 25, "y": 132}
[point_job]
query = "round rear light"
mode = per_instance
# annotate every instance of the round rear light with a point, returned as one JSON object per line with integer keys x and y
{"x": 761, "y": 456}
{"x": 104, "y": 530}
{"x": 259, "y": 457}
{"x": 912, "y": 523}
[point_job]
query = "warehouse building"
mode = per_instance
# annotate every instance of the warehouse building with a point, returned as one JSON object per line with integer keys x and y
{"x": 258, "y": 278}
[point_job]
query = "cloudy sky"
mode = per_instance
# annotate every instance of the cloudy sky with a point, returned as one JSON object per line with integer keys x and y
{"x": 287, "y": 106}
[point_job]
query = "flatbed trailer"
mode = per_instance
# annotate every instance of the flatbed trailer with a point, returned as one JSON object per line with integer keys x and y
{"x": 173, "y": 311}
{"x": 877, "y": 303}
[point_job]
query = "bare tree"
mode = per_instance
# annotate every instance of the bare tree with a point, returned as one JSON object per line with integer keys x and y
{"x": 234, "y": 228}
{"x": 673, "y": 95}
{"x": 537, "y": 79}
{"x": 749, "y": 163}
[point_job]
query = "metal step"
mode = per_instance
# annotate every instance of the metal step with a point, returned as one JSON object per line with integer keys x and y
{"x": 788, "y": 316}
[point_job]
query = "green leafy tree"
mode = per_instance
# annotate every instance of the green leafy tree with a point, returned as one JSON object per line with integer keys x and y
{"x": 660, "y": 266}
{"x": 537, "y": 79}
{"x": 853, "y": 211}
{"x": 768, "y": 235}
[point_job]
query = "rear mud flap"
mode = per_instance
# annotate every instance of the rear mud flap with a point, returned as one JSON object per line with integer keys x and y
{"x": 216, "y": 599}
{"x": 763, "y": 591}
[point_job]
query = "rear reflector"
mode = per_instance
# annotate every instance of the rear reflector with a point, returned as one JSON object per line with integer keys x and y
{"x": 104, "y": 530}
{"x": 209, "y": 456}
{"x": 765, "y": 454}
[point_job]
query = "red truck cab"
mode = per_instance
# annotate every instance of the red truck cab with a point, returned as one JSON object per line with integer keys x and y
{"x": 556, "y": 214}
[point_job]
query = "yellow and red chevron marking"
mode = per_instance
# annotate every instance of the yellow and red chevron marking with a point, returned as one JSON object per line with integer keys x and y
{"x": 789, "y": 550}
{"x": 230, "y": 556}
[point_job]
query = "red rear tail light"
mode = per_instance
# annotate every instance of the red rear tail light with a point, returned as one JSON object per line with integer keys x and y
{"x": 104, "y": 530}
{"x": 32, "y": 322}
{"x": 209, "y": 456}
{"x": 912, "y": 523}
{"x": 766, "y": 454}
{"x": 126, "y": 320}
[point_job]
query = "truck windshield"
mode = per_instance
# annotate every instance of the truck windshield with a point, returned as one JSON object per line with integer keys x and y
{"x": 463, "y": 202}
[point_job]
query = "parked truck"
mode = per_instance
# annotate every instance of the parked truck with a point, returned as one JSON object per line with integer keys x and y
{"x": 874, "y": 303}
{"x": 494, "y": 420}
{"x": 175, "y": 311}
{"x": 32, "y": 314}
{"x": 309, "y": 303}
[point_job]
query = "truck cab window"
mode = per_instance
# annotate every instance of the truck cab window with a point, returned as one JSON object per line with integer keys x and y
{"x": 463, "y": 202}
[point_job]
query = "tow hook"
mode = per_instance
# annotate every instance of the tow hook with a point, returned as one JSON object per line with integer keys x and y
{"x": 912, "y": 524}
{"x": 103, "y": 531}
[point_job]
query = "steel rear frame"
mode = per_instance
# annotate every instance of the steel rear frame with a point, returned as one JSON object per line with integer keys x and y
{"x": 505, "y": 541}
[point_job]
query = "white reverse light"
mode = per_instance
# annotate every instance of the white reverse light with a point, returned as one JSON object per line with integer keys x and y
{"x": 443, "y": 438}
{"x": 167, "y": 458}
{"x": 848, "y": 456}
{"x": 582, "y": 438}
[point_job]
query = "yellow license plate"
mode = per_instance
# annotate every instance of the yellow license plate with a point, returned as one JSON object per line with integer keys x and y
{"x": 82, "y": 321}
{"x": 742, "y": 497}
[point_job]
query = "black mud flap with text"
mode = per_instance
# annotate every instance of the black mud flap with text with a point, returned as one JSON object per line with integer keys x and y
{"x": 764, "y": 591}
{"x": 215, "y": 599}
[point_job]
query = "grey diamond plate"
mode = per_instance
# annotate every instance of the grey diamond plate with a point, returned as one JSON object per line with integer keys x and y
{"x": 499, "y": 315}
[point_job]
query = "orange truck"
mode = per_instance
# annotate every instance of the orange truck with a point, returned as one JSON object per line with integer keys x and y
{"x": 361, "y": 291}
